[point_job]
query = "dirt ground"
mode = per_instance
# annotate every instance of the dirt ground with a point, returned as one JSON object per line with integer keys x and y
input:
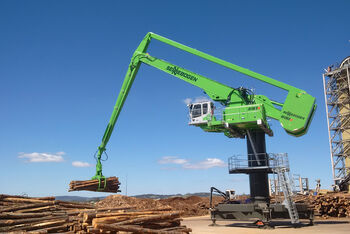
{"x": 190, "y": 206}
{"x": 195, "y": 210}
{"x": 200, "y": 225}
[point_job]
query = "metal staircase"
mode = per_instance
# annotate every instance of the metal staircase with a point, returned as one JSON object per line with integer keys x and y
{"x": 276, "y": 163}
{"x": 285, "y": 182}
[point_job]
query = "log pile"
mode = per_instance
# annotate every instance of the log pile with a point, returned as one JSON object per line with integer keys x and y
{"x": 47, "y": 215}
{"x": 111, "y": 186}
{"x": 148, "y": 221}
{"x": 325, "y": 205}
{"x": 39, "y": 215}
{"x": 328, "y": 205}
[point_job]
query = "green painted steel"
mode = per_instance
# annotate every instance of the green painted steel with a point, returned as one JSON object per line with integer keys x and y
{"x": 243, "y": 110}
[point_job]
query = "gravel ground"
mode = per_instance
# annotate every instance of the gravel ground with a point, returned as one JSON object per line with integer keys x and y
{"x": 200, "y": 225}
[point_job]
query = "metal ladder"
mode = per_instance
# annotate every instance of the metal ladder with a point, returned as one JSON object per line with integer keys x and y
{"x": 288, "y": 194}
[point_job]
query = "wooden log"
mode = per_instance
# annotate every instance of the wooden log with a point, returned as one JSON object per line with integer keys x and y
{"x": 11, "y": 222}
{"x": 17, "y": 208}
{"x": 77, "y": 228}
{"x": 5, "y": 203}
{"x": 26, "y": 197}
{"x": 161, "y": 225}
{"x": 46, "y": 198}
{"x": 110, "y": 209}
{"x": 75, "y": 219}
{"x": 160, "y": 209}
{"x": 18, "y": 196}
{"x": 38, "y": 209}
{"x": 112, "y": 219}
{"x": 151, "y": 218}
{"x": 87, "y": 218}
{"x": 86, "y": 224}
{"x": 93, "y": 230}
{"x": 182, "y": 229}
{"x": 24, "y": 215}
{"x": 23, "y": 200}
{"x": 130, "y": 228}
{"x": 79, "y": 211}
{"x": 132, "y": 213}
{"x": 48, "y": 224}
{"x": 60, "y": 228}
{"x": 75, "y": 205}
{"x": 34, "y": 226}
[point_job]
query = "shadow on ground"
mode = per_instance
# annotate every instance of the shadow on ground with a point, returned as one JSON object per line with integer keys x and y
{"x": 285, "y": 224}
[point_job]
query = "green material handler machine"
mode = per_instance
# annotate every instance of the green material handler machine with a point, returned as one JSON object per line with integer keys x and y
{"x": 244, "y": 115}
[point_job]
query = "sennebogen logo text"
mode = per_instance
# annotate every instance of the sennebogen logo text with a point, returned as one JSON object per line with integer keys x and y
{"x": 176, "y": 71}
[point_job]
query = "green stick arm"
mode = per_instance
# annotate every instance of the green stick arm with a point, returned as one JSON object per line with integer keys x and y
{"x": 221, "y": 62}
{"x": 124, "y": 91}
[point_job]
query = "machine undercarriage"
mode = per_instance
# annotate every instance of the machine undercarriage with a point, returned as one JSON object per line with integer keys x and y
{"x": 258, "y": 208}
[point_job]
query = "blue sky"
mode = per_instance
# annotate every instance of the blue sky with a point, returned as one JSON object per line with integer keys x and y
{"x": 62, "y": 64}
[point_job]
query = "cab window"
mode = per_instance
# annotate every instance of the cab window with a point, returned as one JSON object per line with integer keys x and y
{"x": 205, "y": 108}
{"x": 196, "y": 111}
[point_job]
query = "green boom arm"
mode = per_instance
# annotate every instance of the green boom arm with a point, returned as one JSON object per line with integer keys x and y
{"x": 295, "y": 114}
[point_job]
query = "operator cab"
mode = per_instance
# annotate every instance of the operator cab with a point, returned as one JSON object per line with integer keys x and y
{"x": 200, "y": 112}
{"x": 230, "y": 195}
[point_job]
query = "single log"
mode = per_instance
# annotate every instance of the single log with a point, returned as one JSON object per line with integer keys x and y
{"x": 161, "y": 225}
{"x": 75, "y": 205}
{"x": 160, "y": 209}
{"x": 23, "y": 215}
{"x": 25, "y": 197}
{"x": 4, "y": 203}
{"x": 130, "y": 228}
{"x": 79, "y": 211}
{"x": 47, "y": 225}
{"x": 132, "y": 213}
{"x": 38, "y": 209}
{"x": 113, "y": 219}
{"x": 93, "y": 230}
{"x": 181, "y": 229}
{"x": 17, "y": 208}
{"x": 17, "y": 196}
{"x": 87, "y": 218}
{"x": 12, "y": 222}
{"x": 46, "y": 198}
{"x": 23, "y": 200}
{"x": 77, "y": 228}
{"x": 34, "y": 226}
{"x": 151, "y": 218}
{"x": 75, "y": 219}
{"x": 55, "y": 229}
{"x": 110, "y": 209}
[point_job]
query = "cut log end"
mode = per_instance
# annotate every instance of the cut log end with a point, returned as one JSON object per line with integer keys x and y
{"x": 111, "y": 186}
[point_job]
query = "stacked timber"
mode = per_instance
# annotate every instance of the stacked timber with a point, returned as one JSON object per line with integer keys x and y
{"x": 327, "y": 205}
{"x": 109, "y": 185}
{"x": 332, "y": 205}
{"x": 148, "y": 221}
{"x": 40, "y": 215}
{"x": 47, "y": 215}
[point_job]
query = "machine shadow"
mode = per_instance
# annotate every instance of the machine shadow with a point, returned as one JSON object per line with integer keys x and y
{"x": 285, "y": 224}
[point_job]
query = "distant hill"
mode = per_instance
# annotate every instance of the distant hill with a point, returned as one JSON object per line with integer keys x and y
{"x": 152, "y": 196}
